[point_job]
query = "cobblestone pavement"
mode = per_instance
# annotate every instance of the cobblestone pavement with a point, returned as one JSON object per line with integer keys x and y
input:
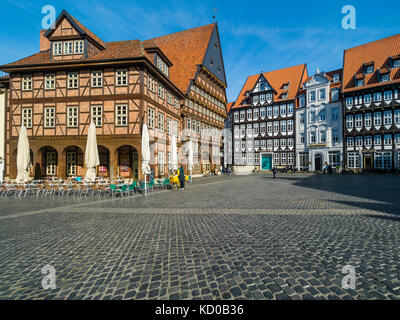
{"x": 222, "y": 238}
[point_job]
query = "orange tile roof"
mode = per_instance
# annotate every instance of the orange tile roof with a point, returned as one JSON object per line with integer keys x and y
{"x": 186, "y": 50}
{"x": 378, "y": 51}
{"x": 294, "y": 75}
{"x": 229, "y": 106}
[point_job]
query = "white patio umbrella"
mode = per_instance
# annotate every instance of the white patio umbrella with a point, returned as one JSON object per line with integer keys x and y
{"x": 174, "y": 154}
{"x": 23, "y": 156}
{"x": 145, "y": 154}
{"x": 91, "y": 154}
{"x": 190, "y": 158}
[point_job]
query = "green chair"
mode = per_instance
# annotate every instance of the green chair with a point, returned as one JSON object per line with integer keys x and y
{"x": 113, "y": 188}
{"x": 166, "y": 183}
{"x": 132, "y": 188}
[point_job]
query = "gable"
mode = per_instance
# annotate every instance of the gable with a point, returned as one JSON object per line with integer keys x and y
{"x": 213, "y": 60}
{"x": 65, "y": 29}
{"x": 262, "y": 85}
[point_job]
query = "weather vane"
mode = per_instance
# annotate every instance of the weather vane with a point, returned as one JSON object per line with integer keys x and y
{"x": 215, "y": 11}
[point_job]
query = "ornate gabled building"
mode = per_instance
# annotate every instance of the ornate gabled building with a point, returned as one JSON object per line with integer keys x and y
{"x": 371, "y": 84}
{"x": 319, "y": 129}
{"x": 199, "y": 73}
{"x": 76, "y": 79}
{"x": 264, "y": 120}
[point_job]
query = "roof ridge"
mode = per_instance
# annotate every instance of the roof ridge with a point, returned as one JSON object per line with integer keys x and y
{"x": 257, "y": 74}
{"x": 182, "y": 31}
{"x": 371, "y": 42}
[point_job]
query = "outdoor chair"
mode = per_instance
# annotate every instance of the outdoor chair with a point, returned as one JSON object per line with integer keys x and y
{"x": 49, "y": 190}
{"x": 132, "y": 188}
{"x": 66, "y": 189}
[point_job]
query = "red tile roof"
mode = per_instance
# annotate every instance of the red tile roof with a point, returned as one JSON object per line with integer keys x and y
{"x": 186, "y": 50}
{"x": 378, "y": 51}
{"x": 294, "y": 75}
{"x": 88, "y": 32}
{"x": 229, "y": 106}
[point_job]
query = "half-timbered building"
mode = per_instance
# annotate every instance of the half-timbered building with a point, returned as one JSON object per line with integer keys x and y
{"x": 76, "y": 79}
{"x": 264, "y": 120}
{"x": 199, "y": 73}
{"x": 4, "y": 81}
{"x": 371, "y": 84}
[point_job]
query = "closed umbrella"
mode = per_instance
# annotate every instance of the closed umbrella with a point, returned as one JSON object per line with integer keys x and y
{"x": 145, "y": 154}
{"x": 174, "y": 154}
{"x": 91, "y": 154}
{"x": 23, "y": 156}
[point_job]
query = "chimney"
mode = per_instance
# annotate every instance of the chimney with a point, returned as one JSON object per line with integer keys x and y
{"x": 44, "y": 42}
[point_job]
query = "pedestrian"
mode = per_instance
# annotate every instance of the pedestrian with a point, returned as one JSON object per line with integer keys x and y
{"x": 181, "y": 177}
{"x": 274, "y": 171}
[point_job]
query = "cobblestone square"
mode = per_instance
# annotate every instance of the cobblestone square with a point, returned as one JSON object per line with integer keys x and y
{"x": 230, "y": 237}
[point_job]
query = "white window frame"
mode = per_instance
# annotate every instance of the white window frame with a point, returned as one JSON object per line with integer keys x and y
{"x": 27, "y": 82}
{"x": 150, "y": 118}
{"x": 50, "y": 81}
{"x": 27, "y": 117}
{"x": 72, "y": 81}
{"x": 96, "y": 113}
{"x": 121, "y": 115}
{"x": 57, "y": 48}
{"x": 97, "y": 79}
{"x": 49, "y": 117}
{"x": 121, "y": 77}
{"x": 72, "y": 117}
{"x": 78, "y": 46}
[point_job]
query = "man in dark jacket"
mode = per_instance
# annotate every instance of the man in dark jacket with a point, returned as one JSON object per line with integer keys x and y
{"x": 182, "y": 178}
{"x": 274, "y": 171}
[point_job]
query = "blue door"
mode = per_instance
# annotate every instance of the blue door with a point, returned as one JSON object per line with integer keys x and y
{"x": 266, "y": 162}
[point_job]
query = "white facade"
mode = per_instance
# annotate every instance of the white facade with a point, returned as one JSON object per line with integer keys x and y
{"x": 319, "y": 125}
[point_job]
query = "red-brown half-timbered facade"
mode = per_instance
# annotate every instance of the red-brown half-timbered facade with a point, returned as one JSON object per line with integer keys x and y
{"x": 76, "y": 79}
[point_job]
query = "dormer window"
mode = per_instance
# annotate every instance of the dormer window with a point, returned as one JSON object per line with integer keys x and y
{"x": 67, "y": 47}
{"x": 359, "y": 82}
{"x": 162, "y": 65}
{"x": 57, "y": 48}
{"x": 286, "y": 86}
{"x": 370, "y": 69}
{"x": 385, "y": 77}
{"x": 284, "y": 96}
{"x": 396, "y": 63}
{"x": 336, "y": 77}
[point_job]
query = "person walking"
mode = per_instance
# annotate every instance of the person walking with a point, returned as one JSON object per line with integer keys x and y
{"x": 181, "y": 177}
{"x": 274, "y": 172}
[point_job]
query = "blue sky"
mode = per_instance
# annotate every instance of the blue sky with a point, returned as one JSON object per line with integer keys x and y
{"x": 256, "y": 35}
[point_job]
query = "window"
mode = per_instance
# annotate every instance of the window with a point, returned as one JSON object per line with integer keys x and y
{"x": 71, "y": 163}
{"x": 283, "y": 126}
{"x": 27, "y": 117}
{"x": 349, "y": 122}
{"x": 255, "y": 99}
{"x": 150, "y": 119}
{"x": 169, "y": 125}
{"x": 323, "y": 136}
{"x": 50, "y": 163}
{"x": 302, "y": 101}
{"x": 276, "y": 159}
{"x": 301, "y": 118}
{"x": 249, "y": 131}
{"x": 161, "y": 160}
{"x": 290, "y": 108}
{"x": 350, "y": 141}
{"x": 97, "y": 116}
{"x": 242, "y": 115}
{"x": 359, "y": 141}
{"x": 72, "y": 114}
{"x": 335, "y": 94}
{"x": 268, "y": 96}
{"x": 397, "y": 116}
{"x": 236, "y": 116}
{"x": 26, "y": 82}
{"x": 283, "y": 159}
{"x": 359, "y": 120}
{"x": 387, "y": 139}
{"x": 387, "y": 118}
{"x": 353, "y": 160}
{"x": 78, "y": 46}
{"x": 283, "y": 110}
{"x": 377, "y": 119}
{"x": 72, "y": 80}
{"x": 322, "y": 115}
{"x": 335, "y": 114}
{"x": 290, "y": 142}
{"x": 349, "y": 101}
{"x": 269, "y": 112}
{"x": 57, "y": 48}
{"x": 336, "y": 77}
{"x": 161, "y": 90}
{"x": 188, "y": 123}
{"x": 269, "y": 128}
{"x": 396, "y": 63}
{"x": 385, "y": 77}
{"x": 388, "y": 95}
{"x": 276, "y": 143}
{"x": 262, "y": 128}
{"x": 151, "y": 84}
{"x": 67, "y": 47}
{"x": 262, "y": 113}
{"x": 378, "y": 140}
{"x": 161, "y": 122}
{"x": 276, "y": 126}
{"x": 367, "y": 98}
{"x": 311, "y": 97}
{"x": 313, "y": 117}
{"x": 313, "y": 138}
{"x": 290, "y": 125}
{"x": 242, "y": 130}
{"x": 368, "y": 119}
{"x": 302, "y": 138}
{"x": 97, "y": 79}
{"x": 121, "y": 77}
{"x": 383, "y": 160}
{"x": 397, "y": 139}
{"x": 276, "y": 111}
{"x": 121, "y": 115}
{"x": 370, "y": 69}
{"x": 49, "y": 82}
{"x": 322, "y": 94}
{"x": 49, "y": 117}
{"x": 249, "y": 114}
{"x": 256, "y": 129}
{"x": 334, "y": 158}
{"x": 377, "y": 96}
{"x": 359, "y": 82}
{"x": 335, "y": 135}
{"x": 255, "y": 114}
{"x": 262, "y": 98}
{"x": 368, "y": 141}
